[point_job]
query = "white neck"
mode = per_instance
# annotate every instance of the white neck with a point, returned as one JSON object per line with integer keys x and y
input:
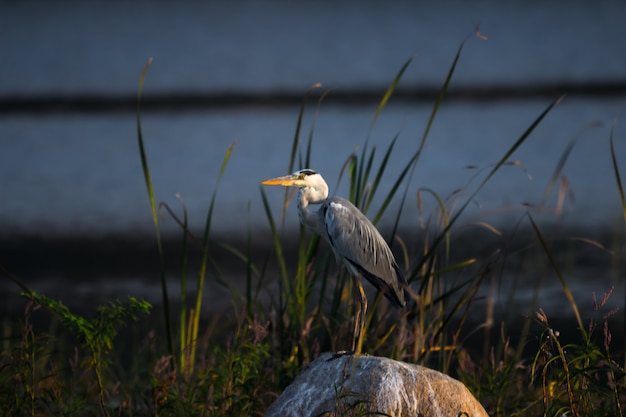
{"x": 312, "y": 195}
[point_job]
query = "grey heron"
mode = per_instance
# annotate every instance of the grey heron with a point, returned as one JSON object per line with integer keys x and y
{"x": 353, "y": 238}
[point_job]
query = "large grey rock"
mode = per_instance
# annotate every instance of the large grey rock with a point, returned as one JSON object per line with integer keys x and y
{"x": 351, "y": 385}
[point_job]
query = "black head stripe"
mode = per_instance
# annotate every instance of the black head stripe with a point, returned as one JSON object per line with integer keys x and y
{"x": 307, "y": 171}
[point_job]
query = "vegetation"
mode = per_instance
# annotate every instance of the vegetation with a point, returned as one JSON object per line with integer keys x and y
{"x": 77, "y": 366}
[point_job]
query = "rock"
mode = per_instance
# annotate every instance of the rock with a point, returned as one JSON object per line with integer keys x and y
{"x": 350, "y": 385}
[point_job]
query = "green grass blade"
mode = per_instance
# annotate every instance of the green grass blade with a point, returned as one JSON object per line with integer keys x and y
{"x": 352, "y": 167}
{"x": 356, "y": 178}
{"x": 155, "y": 217}
{"x": 390, "y": 195}
{"x": 250, "y": 269}
{"x": 516, "y": 145}
{"x": 229, "y": 151}
{"x": 445, "y": 216}
{"x": 296, "y": 136}
{"x": 15, "y": 280}
{"x": 277, "y": 245}
{"x": 379, "y": 174}
{"x": 557, "y": 270}
{"x": 244, "y": 257}
{"x": 442, "y": 93}
{"x": 295, "y": 144}
{"x": 412, "y": 164}
{"x": 491, "y": 173}
{"x": 389, "y": 92}
{"x": 364, "y": 182}
{"x": 559, "y": 167}
{"x": 205, "y": 257}
{"x": 557, "y": 171}
{"x": 142, "y": 151}
{"x": 183, "y": 291}
{"x": 309, "y": 146}
{"x": 618, "y": 177}
{"x": 345, "y": 167}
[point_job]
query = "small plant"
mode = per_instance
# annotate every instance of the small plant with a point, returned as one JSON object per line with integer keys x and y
{"x": 228, "y": 380}
{"x": 96, "y": 335}
{"x": 579, "y": 379}
{"x": 24, "y": 375}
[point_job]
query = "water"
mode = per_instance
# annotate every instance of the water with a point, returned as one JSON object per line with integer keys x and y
{"x": 90, "y": 182}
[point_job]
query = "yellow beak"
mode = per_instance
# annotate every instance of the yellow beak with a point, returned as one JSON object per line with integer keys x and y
{"x": 286, "y": 180}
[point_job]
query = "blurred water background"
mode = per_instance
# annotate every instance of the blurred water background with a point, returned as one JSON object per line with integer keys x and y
{"x": 74, "y": 214}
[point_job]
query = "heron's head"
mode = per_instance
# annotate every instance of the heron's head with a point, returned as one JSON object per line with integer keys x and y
{"x": 309, "y": 181}
{"x": 301, "y": 179}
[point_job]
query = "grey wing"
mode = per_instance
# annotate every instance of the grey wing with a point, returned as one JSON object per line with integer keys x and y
{"x": 362, "y": 248}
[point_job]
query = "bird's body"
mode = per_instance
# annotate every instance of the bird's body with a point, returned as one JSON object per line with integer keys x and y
{"x": 356, "y": 242}
{"x": 354, "y": 239}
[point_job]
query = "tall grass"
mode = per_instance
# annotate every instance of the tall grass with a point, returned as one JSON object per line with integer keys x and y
{"x": 155, "y": 217}
{"x": 189, "y": 318}
{"x": 239, "y": 366}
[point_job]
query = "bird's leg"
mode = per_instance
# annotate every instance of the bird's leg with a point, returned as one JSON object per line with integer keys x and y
{"x": 359, "y": 323}
{"x": 359, "y": 319}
